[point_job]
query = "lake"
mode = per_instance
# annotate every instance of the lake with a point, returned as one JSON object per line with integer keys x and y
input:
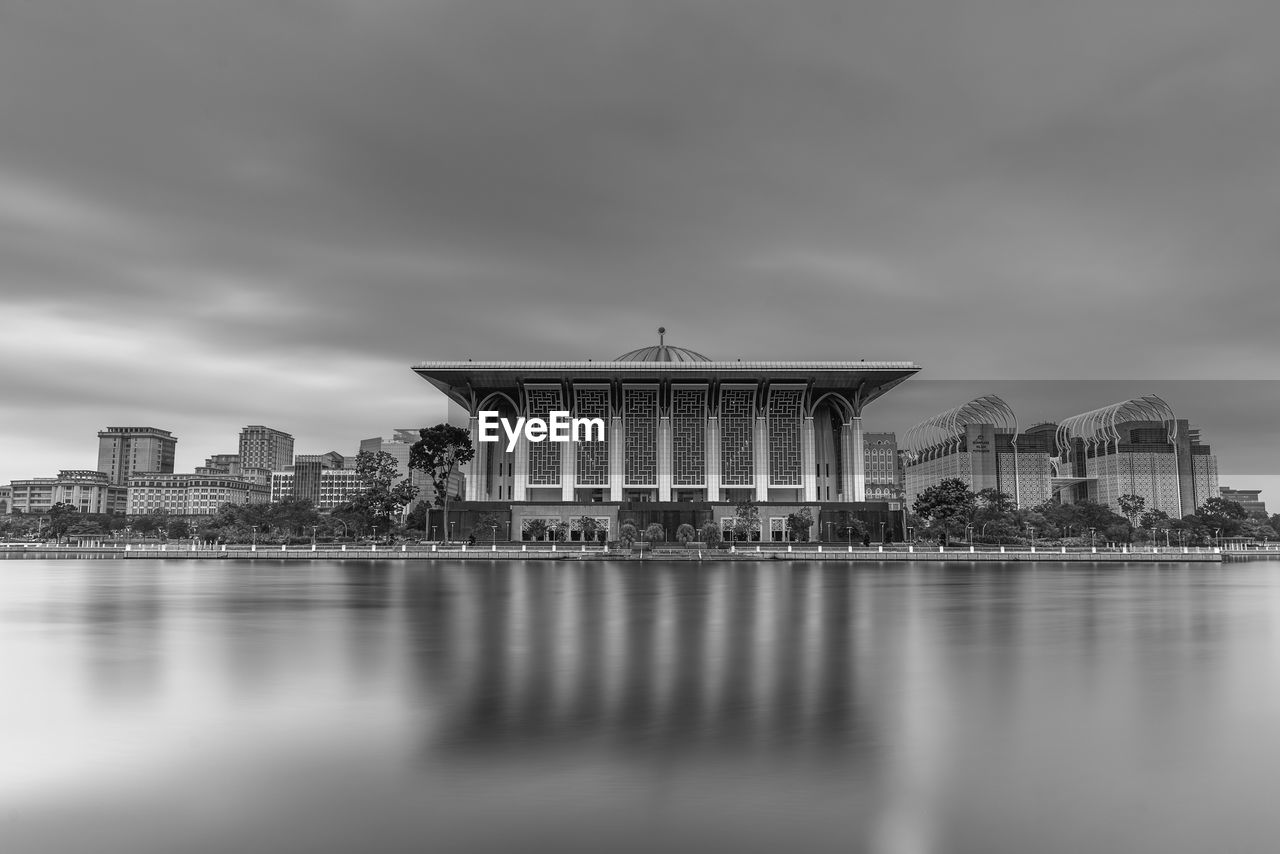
{"x": 187, "y": 706}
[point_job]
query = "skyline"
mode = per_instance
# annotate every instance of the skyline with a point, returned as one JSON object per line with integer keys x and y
{"x": 1237, "y": 402}
{"x": 213, "y": 216}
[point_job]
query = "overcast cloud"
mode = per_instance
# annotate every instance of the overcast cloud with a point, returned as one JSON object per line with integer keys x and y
{"x": 216, "y": 214}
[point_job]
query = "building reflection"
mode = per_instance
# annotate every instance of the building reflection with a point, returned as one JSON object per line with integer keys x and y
{"x": 710, "y": 657}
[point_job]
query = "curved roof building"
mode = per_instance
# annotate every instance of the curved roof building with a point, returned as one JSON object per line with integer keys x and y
{"x": 1135, "y": 447}
{"x": 978, "y": 442}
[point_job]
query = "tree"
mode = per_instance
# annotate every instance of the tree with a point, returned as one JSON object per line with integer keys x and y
{"x": 798, "y": 525}
{"x": 439, "y": 451}
{"x": 850, "y": 527}
{"x": 685, "y": 534}
{"x": 746, "y": 520}
{"x": 627, "y": 533}
{"x": 1258, "y": 529}
{"x": 350, "y": 518}
{"x": 948, "y": 505}
{"x": 1131, "y": 506}
{"x": 1153, "y": 522}
{"x": 710, "y": 533}
{"x": 149, "y": 524}
{"x": 1223, "y": 515}
{"x": 177, "y": 529}
{"x": 61, "y": 515}
{"x": 588, "y": 526}
{"x": 655, "y": 533}
{"x": 381, "y": 497}
{"x": 993, "y": 504}
{"x": 486, "y": 525}
{"x": 534, "y": 529}
{"x": 560, "y": 530}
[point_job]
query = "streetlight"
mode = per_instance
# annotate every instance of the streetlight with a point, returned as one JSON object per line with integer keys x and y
{"x": 375, "y": 534}
{"x": 508, "y": 530}
{"x": 829, "y": 524}
{"x": 452, "y": 522}
{"x": 313, "y": 535}
{"x": 1091, "y": 530}
{"x": 968, "y": 533}
{"x": 494, "y": 526}
{"x": 1217, "y": 538}
{"x": 255, "y": 536}
{"x": 433, "y": 532}
{"x": 882, "y": 532}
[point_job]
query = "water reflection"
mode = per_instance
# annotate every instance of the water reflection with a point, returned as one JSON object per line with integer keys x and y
{"x": 627, "y": 706}
{"x": 718, "y": 658}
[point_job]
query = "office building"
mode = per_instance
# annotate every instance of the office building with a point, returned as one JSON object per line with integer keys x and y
{"x": 265, "y": 448}
{"x": 189, "y": 494}
{"x": 123, "y": 451}
{"x": 1249, "y": 499}
{"x": 86, "y": 491}
{"x": 326, "y": 488}
{"x": 1135, "y": 447}
{"x": 979, "y": 443}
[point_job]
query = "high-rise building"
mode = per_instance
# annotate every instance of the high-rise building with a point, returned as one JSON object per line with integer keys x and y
{"x": 122, "y": 451}
{"x": 6, "y": 499}
{"x": 265, "y": 448}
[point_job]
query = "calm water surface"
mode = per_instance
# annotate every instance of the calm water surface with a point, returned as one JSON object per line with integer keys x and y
{"x": 617, "y": 707}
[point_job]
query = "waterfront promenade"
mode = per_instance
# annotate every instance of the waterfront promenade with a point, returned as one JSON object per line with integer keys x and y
{"x": 572, "y": 551}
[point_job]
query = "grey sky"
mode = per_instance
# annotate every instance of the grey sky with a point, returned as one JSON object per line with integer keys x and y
{"x": 215, "y": 214}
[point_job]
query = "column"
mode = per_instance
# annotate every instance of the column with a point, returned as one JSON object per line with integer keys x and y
{"x": 471, "y": 470}
{"x": 808, "y": 460}
{"x": 859, "y": 466}
{"x": 476, "y": 488}
{"x": 846, "y": 462}
{"x": 615, "y": 458}
{"x": 568, "y": 470}
{"x": 760, "y": 461}
{"x": 520, "y": 480}
{"x": 664, "y": 458}
{"x": 713, "y": 459}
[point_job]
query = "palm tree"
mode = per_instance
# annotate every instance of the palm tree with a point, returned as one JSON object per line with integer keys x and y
{"x": 685, "y": 533}
{"x": 654, "y": 533}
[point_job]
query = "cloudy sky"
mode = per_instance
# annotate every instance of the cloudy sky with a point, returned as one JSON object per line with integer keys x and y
{"x": 263, "y": 211}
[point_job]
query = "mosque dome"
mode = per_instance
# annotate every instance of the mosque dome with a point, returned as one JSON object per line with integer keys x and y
{"x": 661, "y": 352}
